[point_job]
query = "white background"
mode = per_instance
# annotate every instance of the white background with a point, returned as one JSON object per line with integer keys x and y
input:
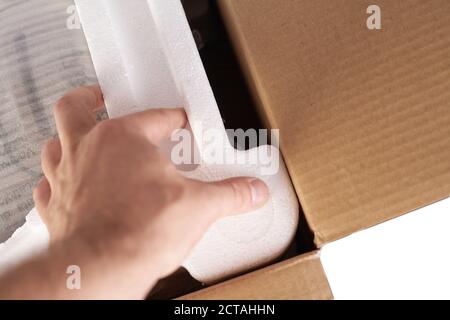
{"x": 405, "y": 258}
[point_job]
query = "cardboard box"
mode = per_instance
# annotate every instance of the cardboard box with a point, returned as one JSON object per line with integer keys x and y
{"x": 364, "y": 117}
{"x": 300, "y": 278}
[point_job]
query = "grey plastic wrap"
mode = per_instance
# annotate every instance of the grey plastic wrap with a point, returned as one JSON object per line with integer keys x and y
{"x": 43, "y": 53}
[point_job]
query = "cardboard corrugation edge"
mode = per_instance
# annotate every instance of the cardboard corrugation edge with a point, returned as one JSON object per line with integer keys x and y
{"x": 299, "y": 278}
{"x": 331, "y": 232}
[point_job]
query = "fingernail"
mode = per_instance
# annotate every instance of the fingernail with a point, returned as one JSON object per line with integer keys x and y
{"x": 260, "y": 192}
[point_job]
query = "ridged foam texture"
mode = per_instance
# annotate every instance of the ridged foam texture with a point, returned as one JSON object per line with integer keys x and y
{"x": 145, "y": 57}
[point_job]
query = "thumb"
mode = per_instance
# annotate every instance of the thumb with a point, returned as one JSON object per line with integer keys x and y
{"x": 235, "y": 195}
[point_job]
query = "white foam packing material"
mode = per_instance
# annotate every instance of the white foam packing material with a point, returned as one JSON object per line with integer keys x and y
{"x": 145, "y": 57}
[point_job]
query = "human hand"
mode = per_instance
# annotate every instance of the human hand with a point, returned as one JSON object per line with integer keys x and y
{"x": 109, "y": 187}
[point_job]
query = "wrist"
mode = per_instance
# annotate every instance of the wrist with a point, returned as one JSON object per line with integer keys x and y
{"x": 109, "y": 268}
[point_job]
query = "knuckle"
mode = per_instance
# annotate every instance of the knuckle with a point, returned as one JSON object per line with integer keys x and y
{"x": 36, "y": 194}
{"x": 38, "y": 191}
{"x": 167, "y": 167}
{"x": 62, "y": 103}
{"x": 178, "y": 192}
{"x": 173, "y": 194}
{"x": 108, "y": 129}
{"x": 107, "y": 125}
{"x": 239, "y": 193}
{"x": 46, "y": 150}
{"x": 162, "y": 113}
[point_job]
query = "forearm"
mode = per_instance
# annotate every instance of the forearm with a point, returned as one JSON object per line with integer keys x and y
{"x": 77, "y": 269}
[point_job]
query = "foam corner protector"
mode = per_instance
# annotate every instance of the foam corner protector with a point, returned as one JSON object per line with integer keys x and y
{"x": 145, "y": 57}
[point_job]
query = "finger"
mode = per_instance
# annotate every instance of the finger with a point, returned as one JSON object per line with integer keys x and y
{"x": 233, "y": 196}
{"x": 158, "y": 124}
{"x": 50, "y": 157}
{"x": 41, "y": 197}
{"x": 74, "y": 113}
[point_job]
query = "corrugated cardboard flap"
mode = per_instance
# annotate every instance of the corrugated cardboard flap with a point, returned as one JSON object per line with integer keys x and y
{"x": 301, "y": 277}
{"x": 364, "y": 115}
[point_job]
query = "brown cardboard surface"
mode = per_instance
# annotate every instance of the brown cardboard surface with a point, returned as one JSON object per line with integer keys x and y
{"x": 364, "y": 115}
{"x": 300, "y": 278}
